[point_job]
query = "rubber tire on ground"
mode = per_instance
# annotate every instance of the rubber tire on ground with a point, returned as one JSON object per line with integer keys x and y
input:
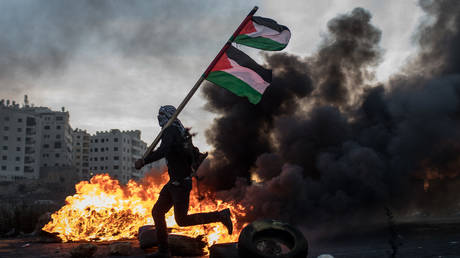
{"x": 271, "y": 229}
{"x": 227, "y": 250}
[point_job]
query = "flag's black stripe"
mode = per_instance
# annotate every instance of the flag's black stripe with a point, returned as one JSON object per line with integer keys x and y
{"x": 269, "y": 23}
{"x": 244, "y": 60}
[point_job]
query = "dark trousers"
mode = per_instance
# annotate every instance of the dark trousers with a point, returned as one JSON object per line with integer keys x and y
{"x": 177, "y": 196}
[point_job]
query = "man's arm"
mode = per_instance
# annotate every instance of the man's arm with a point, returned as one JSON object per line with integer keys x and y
{"x": 167, "y": 141}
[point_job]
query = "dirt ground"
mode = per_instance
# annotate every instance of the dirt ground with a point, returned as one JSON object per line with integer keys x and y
{"x": 435, "y": 238}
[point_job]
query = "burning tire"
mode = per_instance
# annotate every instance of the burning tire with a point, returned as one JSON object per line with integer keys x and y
{"x": 271, "y": 239}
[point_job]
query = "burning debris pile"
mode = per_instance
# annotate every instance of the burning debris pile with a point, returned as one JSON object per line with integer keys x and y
{"x": 329, "y": 144}
{"x": 103, "y": 210}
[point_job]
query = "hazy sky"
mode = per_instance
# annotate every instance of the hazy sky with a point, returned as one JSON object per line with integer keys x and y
{"x": 112, "y": 64}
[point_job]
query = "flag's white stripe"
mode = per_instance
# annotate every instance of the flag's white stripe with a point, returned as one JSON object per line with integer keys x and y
{"x": 266, "y": 32}
{"x": 248, "y": 76}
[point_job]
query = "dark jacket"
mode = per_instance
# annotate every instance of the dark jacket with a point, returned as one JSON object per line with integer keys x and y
{"x": 172, "y": 148}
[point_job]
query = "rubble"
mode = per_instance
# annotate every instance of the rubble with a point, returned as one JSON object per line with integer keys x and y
{"x": 121, "y": 248}
{"x": 83, "y": 251}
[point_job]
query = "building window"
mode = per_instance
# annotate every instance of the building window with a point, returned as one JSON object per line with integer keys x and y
{"x": 116, "y": 158}
{"x": 58, "y": 136}
{"x": 95, "y": 159}
{"x": 57, "y": 145}
{"x": 58, "y": 127}
{"x": 3, "y": 167}
{"x": 102, "y": 140}
{"x": 18, "y": 139}
{"x": 46, "y": 146}
{"x": 115, "y": 149}
{"x": 95, "y": 149}
{"x": 59, "y": 118}
{"x": 57, "y": 155}
{"x": 4, "y": 157}
{"x": 19, "y": 120}
{"x": 95, "y": 141}
{"x": 30, "y": 121}
{"x": 7, "y": 118}
{"x": 19, "y": 129}
{"x": 18, "y": 158}
{"x": 47, "y": 127}
{"x": 5, "y": 147}
{"x": 102, "y": 149}
{"x": 5, "y": 138}
{"x": 115, "y": 139}
{"x": 18, "y": 148}
{"x": 6, "y": 128}
{"x": 16, "y": 168}
{"x": 115, "y": 167}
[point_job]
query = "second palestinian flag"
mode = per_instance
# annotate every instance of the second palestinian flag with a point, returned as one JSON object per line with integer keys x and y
{"x": 238, "y": 73}
{"x": 264, "y": 33}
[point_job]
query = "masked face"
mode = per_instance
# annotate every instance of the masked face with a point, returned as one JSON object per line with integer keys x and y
{"x": 162, "y": 118}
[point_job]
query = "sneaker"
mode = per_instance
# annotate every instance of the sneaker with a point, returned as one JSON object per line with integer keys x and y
{"x": 226, "y": 220}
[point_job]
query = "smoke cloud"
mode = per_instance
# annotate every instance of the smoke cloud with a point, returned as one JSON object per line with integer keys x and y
{"x": 329, "y": 144}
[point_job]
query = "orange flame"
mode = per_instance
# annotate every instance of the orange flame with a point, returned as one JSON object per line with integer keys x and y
{"x": 104, "y": 210}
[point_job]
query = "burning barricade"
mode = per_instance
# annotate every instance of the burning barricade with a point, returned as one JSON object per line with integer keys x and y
{"x": 104, "y": 210}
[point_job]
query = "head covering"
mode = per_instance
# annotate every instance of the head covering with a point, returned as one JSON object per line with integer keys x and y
{"x": 165, "y": 113}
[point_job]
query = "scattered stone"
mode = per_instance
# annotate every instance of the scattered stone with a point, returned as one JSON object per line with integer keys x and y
{"x": 83, "y": 251}
{"x": 42, "y": 221}
{"x": 10, "y": 233}
{"x": 186, "y": 246}
{"x": 46, "y": 237}
{"x": 121, "y": 248}
{"x": 147, "y": 236}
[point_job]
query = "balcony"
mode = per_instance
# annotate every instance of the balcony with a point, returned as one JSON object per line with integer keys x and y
{"x": 31, "y": 131}
{"x": 30, "y": 141}
{"x": 29, "y": 160}
{"x": 28, "y": 169}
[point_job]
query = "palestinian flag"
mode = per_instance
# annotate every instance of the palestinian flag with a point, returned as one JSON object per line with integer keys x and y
{"x": 238, "y": 73}
{"x": 264, "y": 33}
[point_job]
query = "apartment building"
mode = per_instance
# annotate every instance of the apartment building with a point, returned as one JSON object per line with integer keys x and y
{"x": 80, "y": 153}
{"x": 56, "y": 143}
{"x": 114, "y": 152}
{"x": 20, "y": 139}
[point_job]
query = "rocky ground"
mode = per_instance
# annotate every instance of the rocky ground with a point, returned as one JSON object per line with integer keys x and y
{"x": 430, "y": 238}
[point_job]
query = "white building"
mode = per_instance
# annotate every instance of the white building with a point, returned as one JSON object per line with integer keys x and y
{"x": 114, "y": 152}
{"x": 20, "y": 139}
{"x": 81, "y": 146}
{"x": 56, "y": 138}
{"x": 33, "y": 138}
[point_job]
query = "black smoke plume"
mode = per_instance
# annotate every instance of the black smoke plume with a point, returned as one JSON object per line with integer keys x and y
{"x": 329, "y": 144}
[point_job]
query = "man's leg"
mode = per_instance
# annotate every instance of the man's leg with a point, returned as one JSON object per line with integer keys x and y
{"x": 161, "y": 207}
{"x": 181, "y": 197}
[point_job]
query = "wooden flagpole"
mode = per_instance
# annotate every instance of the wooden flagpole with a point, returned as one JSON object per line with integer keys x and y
{"x": 200, "y": 80}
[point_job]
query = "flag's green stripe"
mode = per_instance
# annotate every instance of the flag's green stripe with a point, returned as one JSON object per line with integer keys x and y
{"x": 234, "y": 85}
{"x": 259, "y": 42}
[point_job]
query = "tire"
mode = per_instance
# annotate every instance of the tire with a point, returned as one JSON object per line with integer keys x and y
{"x": 271, "y": 239}
{"x": 227, "y": 250}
